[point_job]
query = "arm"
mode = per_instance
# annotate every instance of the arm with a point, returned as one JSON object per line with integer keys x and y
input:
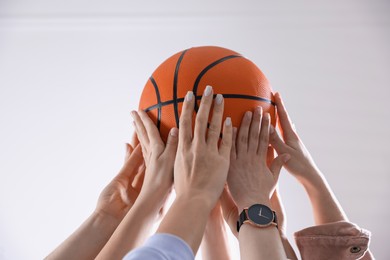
{"x": 215, "y": 244}
{"x": 252, "y": 181}
{"x": 156, "y": 187}
{"x": 201, "y": 168}
{"x": 114, "y": 201}
{"x": 277, "y": 205}
{"x": 325, "y": 206}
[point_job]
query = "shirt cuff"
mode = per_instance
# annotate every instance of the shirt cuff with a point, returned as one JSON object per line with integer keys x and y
{"x": 337, "y": 240}
{"x": 166, "y": 246}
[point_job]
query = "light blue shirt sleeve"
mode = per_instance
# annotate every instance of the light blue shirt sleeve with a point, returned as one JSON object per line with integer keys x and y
{"x": 164, "y": 247}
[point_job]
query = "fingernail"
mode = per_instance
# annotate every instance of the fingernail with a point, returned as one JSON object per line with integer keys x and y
{"x": 208, "y": 90}
{"x": 219, "y": 99}
{"x": 271, "y": 129}
{"x": 248, "y": 114}
{"x": 132, "y": 113}
{"x": 258, "y": 110}
{"x": 228, "y": 121}
{"x": 174, "y": 131}
{"x": 267, "y": 116}
{"x": 189, "y": 95}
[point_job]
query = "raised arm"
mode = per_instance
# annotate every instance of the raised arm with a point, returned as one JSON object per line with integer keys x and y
{"x": 157, "y": 184}
{"x": 252, "y": 182}
{"x": 215, "y": 242}
{"x": 325, "y": 206}
{"x": 114, "y": 202}
{"x": 201, "y": 169}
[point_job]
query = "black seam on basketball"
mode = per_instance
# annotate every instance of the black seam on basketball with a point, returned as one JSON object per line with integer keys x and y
{"x": 158, "y": 101}
{"x": 175, "y": 78}
{"x": 180, "y": 100}
{"x": 207, "y": 68}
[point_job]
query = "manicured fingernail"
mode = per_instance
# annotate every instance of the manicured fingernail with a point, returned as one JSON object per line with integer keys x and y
{"x": 174, "y": 131}
{"x": 219, "y": 99}
{"x": 259, "y": 110}
{"x": 271, "y": 129}
{"x": 267, "y": 116}
{"x": 132, "y": 113}
{"x": 228, "y": 121}
{"x": 248, "y": 114}
{"x": 189, "y": 95}
{"x": 208, "y": 90}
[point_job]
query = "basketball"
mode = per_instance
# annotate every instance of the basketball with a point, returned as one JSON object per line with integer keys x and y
{"x": 239, "y": 80}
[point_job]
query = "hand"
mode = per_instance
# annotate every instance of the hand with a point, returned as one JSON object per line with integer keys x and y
{"x": 159, "y": 158}
{"x": 301, "y": 164}
{"x": 250, "y": 180}
{"x": 120, "y": 194}
{"x": 201, "y": 165}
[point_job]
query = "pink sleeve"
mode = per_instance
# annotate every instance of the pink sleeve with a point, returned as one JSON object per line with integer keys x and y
{"x": 337, "y": 240}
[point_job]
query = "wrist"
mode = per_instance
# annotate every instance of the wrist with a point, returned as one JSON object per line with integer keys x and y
{"x": 101, "y": 221}
{"x": 247, "y": 202}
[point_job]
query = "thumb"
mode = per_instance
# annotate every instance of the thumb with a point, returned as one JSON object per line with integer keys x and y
{"x": 128, "y": 150}
{"x": 277, "y": 164}
{"x": 172, "y": 141}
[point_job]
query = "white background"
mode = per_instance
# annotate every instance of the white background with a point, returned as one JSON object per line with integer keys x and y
{"x": 71, "y": 71}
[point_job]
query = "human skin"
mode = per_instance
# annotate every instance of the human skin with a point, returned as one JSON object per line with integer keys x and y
{"x": 215, "y": 242}
{"x": 114, "y": 202}
{"x": 252, "y": 181}
{"x": 325, "y": 206}
{"x": 159, "y": 159}
{"x": 201, "y": 168}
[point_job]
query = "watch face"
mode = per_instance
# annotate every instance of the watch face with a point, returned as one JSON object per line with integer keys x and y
{"x": 260, "y": 214}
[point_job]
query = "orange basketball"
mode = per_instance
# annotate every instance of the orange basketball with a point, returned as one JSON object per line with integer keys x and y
{"x": 239, "y": 80}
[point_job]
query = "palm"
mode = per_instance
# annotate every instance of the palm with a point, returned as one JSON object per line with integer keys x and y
{"x": 120, "y": 194}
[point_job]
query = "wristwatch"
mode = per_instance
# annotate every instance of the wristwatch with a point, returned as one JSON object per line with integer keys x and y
{"x": 258, "y": 215}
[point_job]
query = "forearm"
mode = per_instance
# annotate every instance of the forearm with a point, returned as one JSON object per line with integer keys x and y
{"x": 260, "y": 243}
{"x": 187, "y": 219}
{"x": 87, "y": 241}
{"x": 290, "y": 253}
{"x": 134, "y": 228}
{"x": 215, "y": 244}
{"x": 326, "y": 208}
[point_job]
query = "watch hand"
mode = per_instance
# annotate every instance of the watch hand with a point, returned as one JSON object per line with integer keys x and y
{"x": 260, "y": 212}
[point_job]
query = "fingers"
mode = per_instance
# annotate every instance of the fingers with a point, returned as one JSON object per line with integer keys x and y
{"x": 128, "y": 150}
{"x": 227, "y": 134}
{"x": 276, "y": 141}
{"x": 130, "y": 168}
{"x": 264, "y": 136}
{"x": 254, "y": 130}
{"x": 233, "y": 151}
{"x": 270, "y": 155}
{"x": 277, "y": 164}
{"x": 140, "y": 129}
{"x": 151, "y": 129}
{"x": 185, "y": 125}
{"x": 203, "y": 114}
{"x": 214, "y": 130}
{"x": 242, "y": 140}
{"x": 134, "y": 140}
{"x": 172, "y": 142}
{"x": 284, "y": 119}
